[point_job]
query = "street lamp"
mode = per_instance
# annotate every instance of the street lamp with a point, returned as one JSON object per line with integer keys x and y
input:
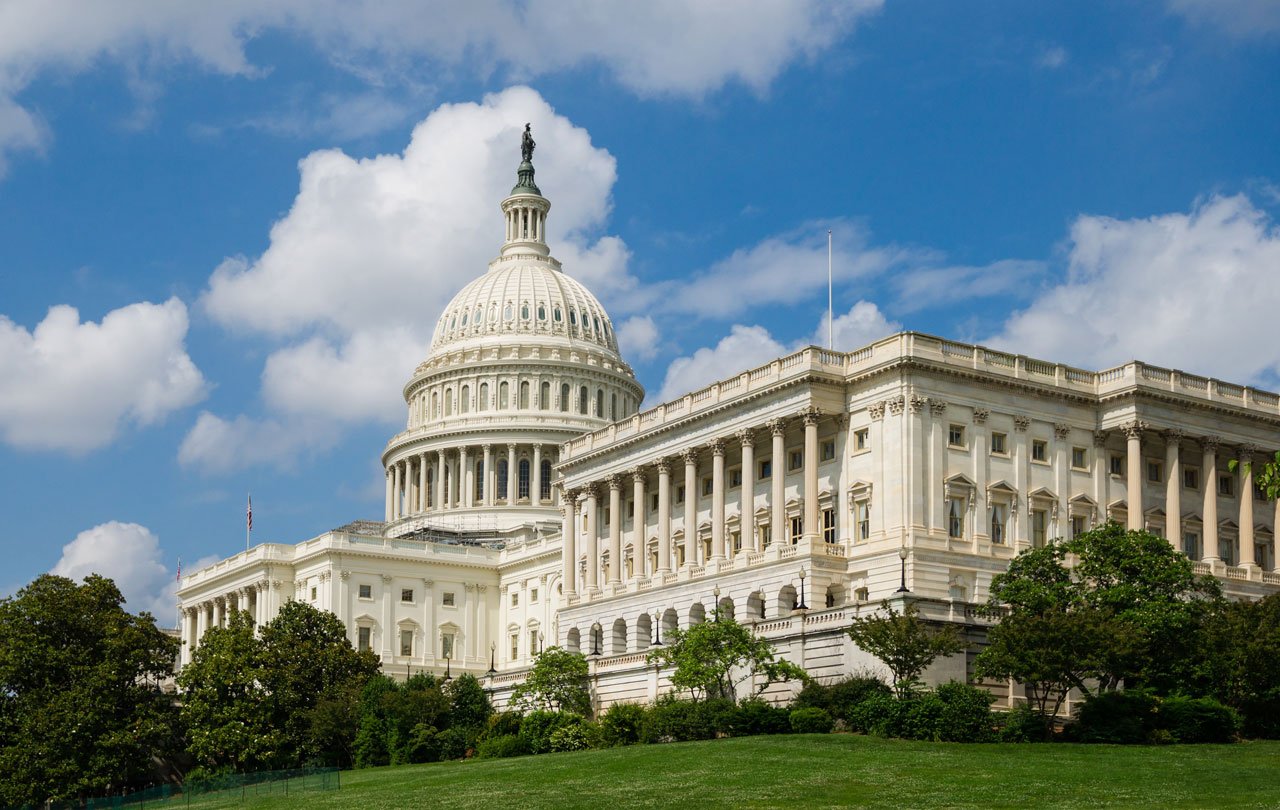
{"x": 715, "y": 592}
{"x": 542, "y": 641}
{"x": 902, "y": 555}
{"x": 657, "y": 627}
{"x": 801, "y": 605}
{"x": 493, "y": 659}
{"x": 596, "y": 632}
{"x": 448, "y": 673}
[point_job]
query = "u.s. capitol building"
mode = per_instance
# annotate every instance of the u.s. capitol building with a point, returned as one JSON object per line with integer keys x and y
{"x": 530, "y": 501}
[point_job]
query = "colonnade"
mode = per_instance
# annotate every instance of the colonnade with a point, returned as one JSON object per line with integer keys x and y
{"x": 215, "y": 611}
{"x": 468, "y": 476}
{"x": 584, "y": 504}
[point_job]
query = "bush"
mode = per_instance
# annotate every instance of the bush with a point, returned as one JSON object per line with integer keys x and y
{"x": 573, "y": 736}
{"x": 504, "y": 724}
{"x": 755, "y": 716}
{"x": 1197, "y": 720}
{"x": 1261, "y": 717}
{"x": 1023, "y": 724}
{"x": 423, "y": 744}
{"x": 966, "y": 713}
{"x": 1115, "y": 717}
{"x": 674, "y": 720}
{"x": 921, "y": 716}
{"x": 622, "y": 724}
{"x": 811, "y": 721}
{"x": 453, "y": 743}
{"x": 537, "y": 728}
{"x": 501, "y": 746}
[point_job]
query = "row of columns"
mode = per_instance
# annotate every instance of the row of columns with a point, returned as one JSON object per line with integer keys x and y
{"x": 417, "y": 484}
{"x": 215, "y": 611}
{"x": 590, "y": 495}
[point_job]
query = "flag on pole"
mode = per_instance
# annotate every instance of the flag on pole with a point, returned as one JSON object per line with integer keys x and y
{"x": 248, "y": 515}
{"x": 179, "y": 579}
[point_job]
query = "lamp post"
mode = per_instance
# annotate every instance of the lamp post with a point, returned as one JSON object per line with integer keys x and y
{"x": 542, "y": 641}
{"x": 493, "y": 659}
{"x": 596, "y": 630}
{"x": 657, "y": 627}
{"x": 801, "y": 605}
{"x": 448, "y": 673}
{"x": 902, "y": 555}
{"x": 715, "y": 593}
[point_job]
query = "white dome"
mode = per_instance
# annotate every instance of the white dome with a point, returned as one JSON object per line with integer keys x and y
{"x": 524, "y": 295}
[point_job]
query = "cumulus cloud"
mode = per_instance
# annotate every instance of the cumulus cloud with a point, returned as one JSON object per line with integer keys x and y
{"x": 932, "y": 286}
{"x": 864, "y": 323}
{"x": 1242, "y": 18}
{"x": 656, "y": 48}
{"x": 130, "y": 555}
{"x": 71, "y": 385}
{"x": 1196, "y": 290}
{"x": 638, "y": 338}
{"x": 215, "y": 445}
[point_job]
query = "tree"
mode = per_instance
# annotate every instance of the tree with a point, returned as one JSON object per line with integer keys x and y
{"x": 80, "y": 712}
{"x": 469, "y": 704}
{"x": 714, "y": 658}
{"x": 1240, "y": 651}
{"x": 558, "y": 682}
{"x": 904, "y": 642}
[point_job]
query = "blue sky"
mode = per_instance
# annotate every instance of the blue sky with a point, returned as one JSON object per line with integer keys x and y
{"x": 228, "y": 230}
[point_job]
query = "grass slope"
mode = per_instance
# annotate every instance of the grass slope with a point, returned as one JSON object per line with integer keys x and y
{"x": 836, "y": 770}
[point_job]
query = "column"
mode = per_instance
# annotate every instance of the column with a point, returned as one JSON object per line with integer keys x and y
{"x": 535, "y": 477}
{"x": 569, "y": 546}
{"x": 219, "y": 610}
{"x": 488, "y": 475}
{"x": 811, "y": 528}
{"x": 439, "y": 480}
{"x": 395, "y": 494}
{"x": 717, "y": 501}
{"x": 664, "y": 516}
{"x": 465, "y": 481}
{"x": 410, "y": 486}
{"x": 747, "y": 510}
{"x": 513, "y": 494}
{"x": 1209, "y": 468}
{"x": 777, "y": 499}
{"x": 423, "y": 486}
{"x": 593, "y": 542}
{"x": 639, "y": 544}
{"x": 615, "y": 528}
{"x": 202, "y": 623}
{"x": 390, "y": 484}
{"x": 1173, "y": 488}
{"x": 1247, "y": 556}
{"x": 691, "y": 543}
{"x": 1133, "y": 457}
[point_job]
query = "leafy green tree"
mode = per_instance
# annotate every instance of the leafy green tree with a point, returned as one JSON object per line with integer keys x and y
{"x": 714, "y": 658}
{"x": 469, "y": 704}
{"x": 1240, "y": 662}
{"x": 558, "y": 681}
{"x": 904, "y": 642}
{"x": 80, "y": 712}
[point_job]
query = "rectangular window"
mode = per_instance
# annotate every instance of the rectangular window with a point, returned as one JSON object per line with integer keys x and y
{"x": 955, "y": 436}
{"x": 766, "y": 469}
{"x": 533, "y": 642}
{"x": 406, "y": 642}
{"x": 364, "y": 637}
{"x": 735, "y": 477}
{"x": 446, "y": 599}
{"x": 1155, "y": 472}
{"x": 313, "y": 593}
{"x": 680, "y": 494}
{"x": 735, "y": 541}
{"x": 1079, "y": 458}
{"x": 955, "y": 517}
{"x": 1039, "y": 528}
{"x": 1117, "y": 464}
{"x": 1191, "y": 544}
{"x": 795, "y": 460}
{"x": 861, "y": 439}
{"x": 999, "y": 444}
{"x": 829, "y": 525}
{"x": 998, "y": 513}
{"x": 1077, "y": 525}
{"x": 366, "y": 592}
{"x": 533, "y": 596}
{"x": 1227, "y": 550}
{"x": 446, "y": 645}
{"x": 653, "y": 502}
{"x": 766, "y": 535}
{"x": 864, "y": 520}
{"x": 1259, "y": 494}
{"x": 406, "y": 594}
{"x": 706, "y": 486}
{"x": 828, "y": 450}
{"x": 1226, "y": 485}
{"x": 1191, "y": 478}
{"x": 515, "y": 598}
{"x": 515, "y": 646}
{"x": 797, "y": 529}
{"x": 1039, "y": 450}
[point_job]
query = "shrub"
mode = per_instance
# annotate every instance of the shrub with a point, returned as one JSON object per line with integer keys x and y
{"x": 1261, "y": 716}
{"x": 966, "y": 713}
{"x": 1023, "y": 724}
{"x": 881, "y": 715}
{"x": 503, "y": 724}
{"x": 423, "y": 745}
{"x": 622, "y": 724}
{"x": 501, "y": 746}
{"x": 841, "y": 697}
{"x": 756, "y": 716}
{"x": 453, "y": 743}
{"x": 1197, "y": 720}
{"x": 572, "y": 736}
{"x": 811, "y": 721}
{"x": 675, "y": 720}
{"x": 1115, "y": 717}
{"x": 537, "y": 727}
{"x": 921, "y": 716}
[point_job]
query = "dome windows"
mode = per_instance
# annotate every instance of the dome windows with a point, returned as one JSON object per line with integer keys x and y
{"x": 464, "y": 318}
{"x": 557, "y": 314}
{"x": 508, "y": 313}
{"x": 524, "y": 311}
{"x": 453, "y": 322}
{"x": 597, "y": 321}
{"x": 542, "y": 311}
{"x": 573, "y": 317}
{"x": 479, "y": 315}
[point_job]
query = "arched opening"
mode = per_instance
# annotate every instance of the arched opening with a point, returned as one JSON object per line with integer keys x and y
{"x": 502, "y": 478}
{"x": 613, "y": 407}
{"x": 504, "y": 396}
{"x": 583, "y": 400}
{"x": 564, "y": 397}
{"x": 483, "y": 405}
{"x": 697, "y": 614}
{"x": 835, "y": 595}
{"x": 544, "y": 397}
{"x": 786, "y": 600}
{"x": 600, "y": 402}
{"x": 725, "y": 608}
{"x": 523, "y": 474}
{"x": 618, "y": 638}
{"x": 448, "y": 402}
{"x": 670, "y": 621}
{"x": 435, "y": 404}
{"x": 644, "y": 632}
{"x": 755, "y": 605}
{"x": 545, "y": 485}
{"x": 464, "y": 403}
{"x": 573, "y": 641}
{"x": 524, "y": 396}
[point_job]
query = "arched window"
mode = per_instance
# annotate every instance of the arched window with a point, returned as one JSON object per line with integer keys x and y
{"x": 557, "y": 314}
{"x": 504, "y": 398}
{"x": 453, "y": 321}
{"x": 464, "y": 403}
{"x": 600, "y": 402}
{"x": 564, "y": 397}
{"x": 435, "y": 404}
{"x": 431, "y": 486}
{"x": 544, "y": 491}
{"x": 524, "y": 478}
{"x": 613, "y": 407}
{"x": 479, "y": 315}
{"x": 483, "y": 405}
{"x": 542, "y": 312}
{"x": 524, "y": 311}
{"x": 448, "y": 402}
{"x": 502, "y": 478}
{"x": 584, "y": 400}
{"x": 573, "y": 317}
{"x": 508, "y": 313}
{"x": 544, "y": 397}
{"x": 479, "y": 480}
{"x": 524, "y": 395}
{"x": 464, "y": 318}
{"x": 597, "y": 323}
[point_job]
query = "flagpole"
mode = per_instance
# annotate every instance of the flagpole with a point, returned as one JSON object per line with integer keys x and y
{"x": 831, "y": 341}
{"x": 248, "y": 521}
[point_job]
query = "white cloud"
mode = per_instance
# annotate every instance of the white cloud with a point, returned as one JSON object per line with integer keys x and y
{"x": 130, "y": 555}
{"x": 69, "y": 385}
{"x": 638, "y": 338}
{"x": 1052, "y": 57}
{"x": 927, "y": 287}
{"x": 216, "y": 446}
{"x": 1197, "y": 291}
{"x": 864, "y": 323}
{"x": 1243, "y": 18}
{"x": 661, "y": 47}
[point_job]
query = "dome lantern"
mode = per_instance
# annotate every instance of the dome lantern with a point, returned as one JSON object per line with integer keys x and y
{"x": 526, "y": 209}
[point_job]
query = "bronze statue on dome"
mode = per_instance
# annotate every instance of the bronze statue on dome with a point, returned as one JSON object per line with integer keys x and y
{"x": 527, "y": 144}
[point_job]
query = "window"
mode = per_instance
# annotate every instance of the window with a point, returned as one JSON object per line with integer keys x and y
{"x": 313, "y": 593}
{"x": 1077, "y": 525}
{"x": 863, "y": 511}
{"x": 1079, "y": 458}
{"x": 735, "y": 541}
{"x": 999, "y": 513}
{"x": 533, "y": 642}
{"x": 406, "y": 642}
{"x": 364, "y": 638}
{"x": 999, "y": 444}
{"x": 480, "y": 476}
{"x": 861, "y": 439}
{"x": 1155, "y": 472}
{"x": 515, "y": 598}
{"x": 1117, "y": 464}
{"x": 446, "y": 599}
{"x": 1226, "y": 485}
{"x": 533, "y": 595}
{"x": 766, "y": 535}
{"x": 564, "y": 397}
{"x": 653, "y": 502}
{"x": 955, "y": 517}
{"x": 600, "y": 402}
{"x": 1191, "y": 478}
{"x": 1039, "y": 527}
{"x": 583, "y": 400}
{"x": 515, "y": 646}
{"x": 735, "y": 477}
{"x": 483, "y": 404}
{"x": 706, "y": 486}
{"x": 828, "y": 450}
{"x": 523, "y": 478}
{"x": 504, "y": 396}
{"x": 680, "y": 494}
{"x": 464, "y": 401}
{"x": 524, "y": 395}
{"x": 829, "y": 525}
{"x": 1191, "y": 544}
{"x": 766, "y": 469}
{"x": 406, "y": 594}
{"x": 502, "y": 479}
{"x": 1259, "y": 494}
{"x": 955, "y": 436}
{"x": 544, "y": 486}
{"x": 861, "y": 594}
{"x": 795, "y": 460}
{"x": 1039, "y": 450}
{"x": 797, "y": 529}
{"x": 446, "y": 645}
{"x": 366, "y": 591}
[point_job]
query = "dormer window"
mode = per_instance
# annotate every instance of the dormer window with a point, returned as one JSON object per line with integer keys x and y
{"x": 464, "y": 318}
{"x": 557, "y": 315}
{"x": 542, "y": 312}
{"x": 524, "y": 312}
{"x": 479, "y": 315}
{"x": 508, "y": 313}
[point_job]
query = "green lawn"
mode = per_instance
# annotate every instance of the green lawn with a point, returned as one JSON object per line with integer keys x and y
{"x": 836, "y": 770}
